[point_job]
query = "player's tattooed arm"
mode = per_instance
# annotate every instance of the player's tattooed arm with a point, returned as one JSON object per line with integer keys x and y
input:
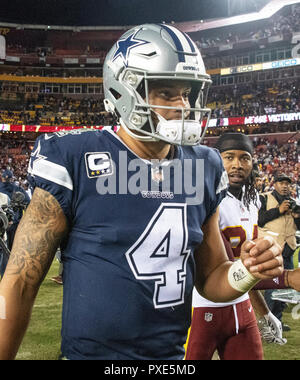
{"x": 38, "y": 236}
{"x": 40, "y": 232}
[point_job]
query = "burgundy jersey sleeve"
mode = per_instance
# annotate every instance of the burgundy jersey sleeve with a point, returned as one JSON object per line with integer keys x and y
{"x": 273, "y": 283}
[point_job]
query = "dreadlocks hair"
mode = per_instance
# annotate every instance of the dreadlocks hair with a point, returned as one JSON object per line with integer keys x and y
{"x": 250, "y": 193}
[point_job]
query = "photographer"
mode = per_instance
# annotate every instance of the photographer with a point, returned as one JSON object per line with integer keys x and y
{"x": 18, "y": 202}
{"x": 4, "y": 201}
{"x": 279, "y": 214}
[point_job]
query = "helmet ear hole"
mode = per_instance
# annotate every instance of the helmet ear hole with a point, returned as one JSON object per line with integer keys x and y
{"x": 141, "y": 90}
{"x": 109, "y": 105}
{"x": 115, "y": 93}
{"x": 195, "y": 99}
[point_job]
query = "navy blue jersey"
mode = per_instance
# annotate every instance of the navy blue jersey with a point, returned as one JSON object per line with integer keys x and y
{"x": 134, "y": 224}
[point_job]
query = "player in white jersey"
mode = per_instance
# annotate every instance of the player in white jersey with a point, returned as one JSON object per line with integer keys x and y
{"x": 231, "y": 328}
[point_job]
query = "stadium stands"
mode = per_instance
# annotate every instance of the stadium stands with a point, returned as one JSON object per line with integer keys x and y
{"x": 271, "y": 153}
{"x": 52, "y": 79}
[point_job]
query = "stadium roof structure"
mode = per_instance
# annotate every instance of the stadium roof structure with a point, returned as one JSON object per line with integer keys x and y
{"x": 266, "y": 12}
{"x": 80, "y": 15}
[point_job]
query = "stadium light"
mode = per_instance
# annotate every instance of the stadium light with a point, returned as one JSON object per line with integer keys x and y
{"x": 242, "y": 6}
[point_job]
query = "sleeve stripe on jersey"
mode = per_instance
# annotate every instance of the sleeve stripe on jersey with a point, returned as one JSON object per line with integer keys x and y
{"x": 52, "y": 172}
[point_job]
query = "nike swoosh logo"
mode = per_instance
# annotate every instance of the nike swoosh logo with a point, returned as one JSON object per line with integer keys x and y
{"x": 47, "y": 137}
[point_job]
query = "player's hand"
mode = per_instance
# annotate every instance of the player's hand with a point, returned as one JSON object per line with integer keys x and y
{"x": 293, "y": 279}
{"x": 284, "y": 206}
{"x": 270, "y": 329}
{"x": 262, "y": 257}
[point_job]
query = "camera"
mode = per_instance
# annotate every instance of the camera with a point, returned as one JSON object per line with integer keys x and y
{"x": 6, "y": 216}
{"x": 294, "y": 206}
{"x": 3, "y": 221}
{"x": 18, "y": 201}
{"x": 11, "y": 213}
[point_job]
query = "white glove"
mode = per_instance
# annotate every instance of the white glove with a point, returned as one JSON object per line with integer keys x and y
{"x": 271, "y": 329}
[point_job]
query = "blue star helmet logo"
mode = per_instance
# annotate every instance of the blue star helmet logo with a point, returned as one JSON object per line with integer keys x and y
{"x": 125, "y": 45}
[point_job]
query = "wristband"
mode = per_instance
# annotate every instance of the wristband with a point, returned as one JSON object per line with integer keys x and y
{"x": 286, "y": 278}
{"x": 239, "y": 278}
{"x": 2, "y": 308}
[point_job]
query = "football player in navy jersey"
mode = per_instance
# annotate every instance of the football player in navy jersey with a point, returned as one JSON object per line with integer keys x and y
{"x": 135, "y": 213}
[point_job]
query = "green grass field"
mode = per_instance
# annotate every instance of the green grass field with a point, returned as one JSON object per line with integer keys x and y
{"x": 42, "y": 340}
{"x": 291, "y": 350}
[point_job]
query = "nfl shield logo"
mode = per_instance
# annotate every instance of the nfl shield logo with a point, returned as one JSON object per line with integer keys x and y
{"x": 208, "y": 317}
{"x": 157, "y": 174}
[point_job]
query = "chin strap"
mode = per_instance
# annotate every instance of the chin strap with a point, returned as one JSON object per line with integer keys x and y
{"x": 135, "y": 136}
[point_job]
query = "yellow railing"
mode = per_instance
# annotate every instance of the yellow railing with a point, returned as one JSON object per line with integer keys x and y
{"x": 38, "y": 79}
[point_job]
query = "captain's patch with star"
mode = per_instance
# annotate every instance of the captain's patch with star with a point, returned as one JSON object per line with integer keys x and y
{"x": 98, "y": 164}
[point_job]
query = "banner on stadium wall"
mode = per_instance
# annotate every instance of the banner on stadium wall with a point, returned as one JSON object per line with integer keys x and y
{"x": 280, "y": 64}
{"x": 224, "y": 122}
{"x": 246, "y": 120}
{"x": 2, "y": 47}
{"x": 42, "y": 128}
{"x": 12, "y": 59}
{"x": 70, "y": 61}
{"x": 261, "y": 66}
{"x": 93, "y": 60}
{"x": 275, "y": 118}
{"x": 242, "y": 69}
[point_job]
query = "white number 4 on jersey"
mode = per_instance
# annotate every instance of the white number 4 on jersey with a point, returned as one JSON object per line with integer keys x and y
{"x": 160, "y": 254}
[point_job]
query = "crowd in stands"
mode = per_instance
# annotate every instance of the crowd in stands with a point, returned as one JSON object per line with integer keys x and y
{"x": 257, "y": 98}
{"x": 50, "y": 110}
{"x": 243, "y": 99}
{"x": 46, "y": 51}
{"x": 52, "y": 72}
{"x": 272, "y": 157}
{"x": 284, "y": 23}
{"x": 269, "y": 156}
{"x": 14, "y": 155}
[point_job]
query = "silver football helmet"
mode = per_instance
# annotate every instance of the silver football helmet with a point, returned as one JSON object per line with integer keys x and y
{"x": 155, "y": 52}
